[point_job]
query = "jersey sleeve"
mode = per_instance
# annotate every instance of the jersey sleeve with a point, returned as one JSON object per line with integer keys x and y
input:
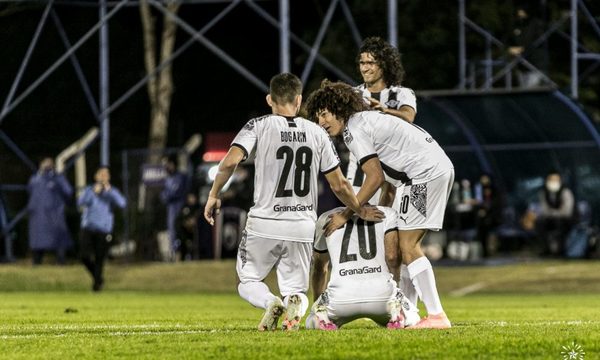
{"x": 329, "y": 159}
{"x": 406, "y": 96}
{"x": 359, "y": 142}
{"x": 246, "y": 138}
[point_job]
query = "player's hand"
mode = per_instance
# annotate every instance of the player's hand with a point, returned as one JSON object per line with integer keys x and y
{"x": 97, "y": 188}
{"x": 213, "y": 205}
{"x": 371, "y": 213}
{"x": 375, "y": 104}
{"x": 335, "y": 222}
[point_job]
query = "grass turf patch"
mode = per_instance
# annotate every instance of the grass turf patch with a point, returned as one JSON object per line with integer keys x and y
{"x": 190, "y": 311}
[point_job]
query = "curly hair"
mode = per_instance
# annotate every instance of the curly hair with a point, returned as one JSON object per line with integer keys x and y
{"x": 387, "y": 57}
{"x": 339, "y": 98}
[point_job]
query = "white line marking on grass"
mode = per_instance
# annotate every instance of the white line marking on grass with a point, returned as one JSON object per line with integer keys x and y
{"x": 542, "y": 323}
{"x": 468, "y": 289}
{"x": 172, "y": 332}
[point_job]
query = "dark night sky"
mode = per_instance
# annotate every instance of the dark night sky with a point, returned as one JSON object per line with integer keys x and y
{"x": 209, "y": 94}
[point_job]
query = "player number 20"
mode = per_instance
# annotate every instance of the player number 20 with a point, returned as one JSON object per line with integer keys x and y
{"x": 301, "y": 161}
{"x": 366, "y": 231}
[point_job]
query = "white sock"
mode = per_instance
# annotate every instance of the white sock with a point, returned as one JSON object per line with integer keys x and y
{"x": 421, "y": 274}
{"x": 406, "y": 285}
{"x": 256, "y": 293}
{"x": 303, "y": 298}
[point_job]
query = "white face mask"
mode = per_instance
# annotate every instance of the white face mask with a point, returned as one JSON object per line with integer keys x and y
{"x": 553, "y": 186}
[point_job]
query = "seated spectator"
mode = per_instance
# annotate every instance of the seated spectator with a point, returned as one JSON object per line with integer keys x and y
{"x": 489, "y": 210}
{"x": 187, "y": 227}
{"x": 556, "y": 214}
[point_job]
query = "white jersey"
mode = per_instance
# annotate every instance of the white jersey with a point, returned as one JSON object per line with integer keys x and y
{"x": 359, "y": 272}
{"x": 392, "y": 97}
{"x": 408, "y": 154}
{"x": 289, "y": 152}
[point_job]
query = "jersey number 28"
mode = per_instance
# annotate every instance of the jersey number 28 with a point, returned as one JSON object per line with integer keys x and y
{"x": 301, "y": 161}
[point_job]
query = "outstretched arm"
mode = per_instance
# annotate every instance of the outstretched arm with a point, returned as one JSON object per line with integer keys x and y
{"x": 372, "y": 182}
{"x": 343, "y": 190}
{"x": 226, "y": 168}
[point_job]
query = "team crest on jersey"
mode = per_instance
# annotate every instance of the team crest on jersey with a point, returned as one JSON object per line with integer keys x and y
{"x": 393, "y": 104}
{"x": 347, "y": 136}
{"x": 418, "y": 198}
{"x": 250, "y": 125}
{"x": 242, "y": 252}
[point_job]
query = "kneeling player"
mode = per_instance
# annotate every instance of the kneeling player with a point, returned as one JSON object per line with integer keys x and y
{"x": 361, "y": 284}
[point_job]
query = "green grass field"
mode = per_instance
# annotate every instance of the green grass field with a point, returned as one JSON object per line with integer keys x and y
{"x": 191, "y": 311}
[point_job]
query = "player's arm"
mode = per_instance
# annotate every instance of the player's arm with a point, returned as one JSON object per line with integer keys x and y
{"x": 388, "y": 194}
{"x": 373, "y": 181}
{"x": 406, "y": 113}
{"x": 320, "y": 272}
{"x": 226, "y": 168}
{"x": 392, "y": 257}
{"x": 343, "y": 190}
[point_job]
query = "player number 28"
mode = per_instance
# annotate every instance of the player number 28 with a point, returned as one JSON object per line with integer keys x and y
{"x": 301, "y": 161}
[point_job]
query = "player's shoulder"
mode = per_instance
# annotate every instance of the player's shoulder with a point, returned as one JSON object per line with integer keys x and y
{"x": 405, "y": 91}
{"x": 259, "y": 120}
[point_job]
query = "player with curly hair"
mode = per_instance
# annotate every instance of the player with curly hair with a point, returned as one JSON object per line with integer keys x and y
{"x": 380, "y": 67}
{"x": 393, "y": 154}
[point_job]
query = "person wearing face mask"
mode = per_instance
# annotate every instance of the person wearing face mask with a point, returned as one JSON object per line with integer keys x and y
{"x": 49, "y": 192}
{"x": 556, "y": 215}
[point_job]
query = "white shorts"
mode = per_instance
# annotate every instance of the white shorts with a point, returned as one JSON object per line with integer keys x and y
{"x": 345, "y": 312}
{"x": 422, "y": 206}
{"x": 258, "y": 255}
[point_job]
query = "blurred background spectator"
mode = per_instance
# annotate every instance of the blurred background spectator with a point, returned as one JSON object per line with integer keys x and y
{"x": 489, "y": 212}
{"x": 49, "y": 192}
{"x": 188, "y": 228}
{"x": 97, "y": 221}
{"x": 173, "y": 196}
{"x": 556, "y": 214}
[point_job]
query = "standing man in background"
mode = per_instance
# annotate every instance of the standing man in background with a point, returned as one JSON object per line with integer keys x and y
{"x": 289, "y": 153}
{"x": 48, "y": 194}
{"x": 97, "y": 222}
{"x": 173, "y": 196}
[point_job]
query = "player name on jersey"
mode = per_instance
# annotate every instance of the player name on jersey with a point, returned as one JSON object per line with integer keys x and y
{"x": 359, "y": 271}
{"x": 293, "y": 136}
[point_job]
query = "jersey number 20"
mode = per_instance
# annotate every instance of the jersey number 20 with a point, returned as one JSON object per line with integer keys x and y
{"x": 301, "y": 161}
{"x": 365, "y": 229}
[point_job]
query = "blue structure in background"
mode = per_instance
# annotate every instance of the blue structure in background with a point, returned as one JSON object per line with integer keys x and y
{"x": 517, "y": 137}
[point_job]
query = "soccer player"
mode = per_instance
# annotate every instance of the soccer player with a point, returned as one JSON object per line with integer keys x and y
{"x": 361, "y": 254}
{"x": 393, "y": 153}
{"x": 381, "y": 69}
{"x": 288, "y": 151}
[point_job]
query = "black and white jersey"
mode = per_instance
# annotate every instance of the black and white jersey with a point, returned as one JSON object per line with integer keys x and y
{"x": 359, "y": 272}
{"x": 392, "y": 97}
{"x": 288, "y": 154}
{"x": 408, "y": 154}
